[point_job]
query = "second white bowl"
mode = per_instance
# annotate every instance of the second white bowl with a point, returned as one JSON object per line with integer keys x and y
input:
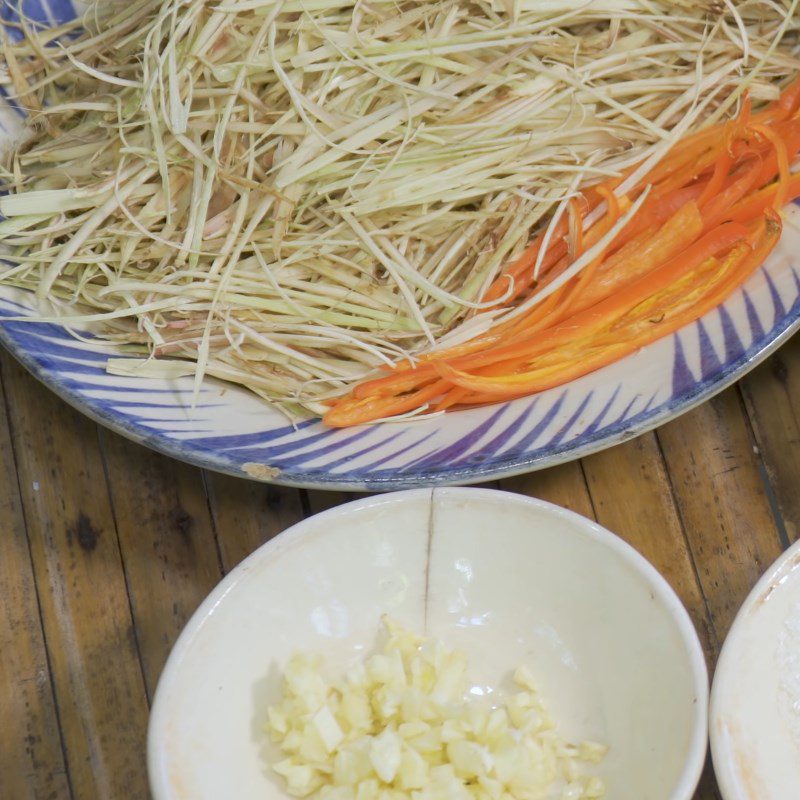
{"x": 755, "y": 702}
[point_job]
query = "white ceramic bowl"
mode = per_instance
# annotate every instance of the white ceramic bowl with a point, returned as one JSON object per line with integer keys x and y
{"x": 755, "y": 702}
{"x": 507, "y": 579}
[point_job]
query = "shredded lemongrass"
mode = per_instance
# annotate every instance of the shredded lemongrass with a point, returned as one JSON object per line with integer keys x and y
{"x": 292, "y": 194}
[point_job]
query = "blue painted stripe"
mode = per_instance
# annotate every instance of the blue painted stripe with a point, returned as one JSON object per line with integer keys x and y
{"x": 312, "y": 455}
{"x": 627, "y": 410}
{"x": 85, "y": 387}
{"x": 525, "y": 442}
{"x": 569, "y": 424}
{"x": 22, "y": 328}
{"x": 38, "y": 15}
{"x": 255, "y": 446}
{"x": 333, "y": 465}
{"x": 9, "y": 13}
{"x": 175, "y": 426}
{"x": 176, "y": 434}
{"x": 130, "y": 404}
{"x": 756, "y": 328}
{"x": 682, "y": 377}
{"x": 452, "y": 452}
{"x": 595, "y": 423}
{"x": 504, "y": 436}
{"x": 646, "y": 405}
{"x": 373, "y": 465}
{"x": 5, "y": 301}
{"x": 777, "y": 303}
{"x": 35, "y": 343}
{"x": 246, "y": 440}
{"x": 709, "y": 360}
{"x": 734, "y": 346}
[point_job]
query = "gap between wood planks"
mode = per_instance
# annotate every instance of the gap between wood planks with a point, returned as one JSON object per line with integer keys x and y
{"x": 32, "y": 753}
{"x": 772, "y": 397}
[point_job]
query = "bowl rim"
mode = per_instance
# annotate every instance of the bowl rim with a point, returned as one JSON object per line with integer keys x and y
{"x": 582, "y": 526}
{"x": 729, "y": 784}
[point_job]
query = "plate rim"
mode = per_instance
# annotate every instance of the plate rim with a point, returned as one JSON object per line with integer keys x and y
{"x": 493, "y": 469}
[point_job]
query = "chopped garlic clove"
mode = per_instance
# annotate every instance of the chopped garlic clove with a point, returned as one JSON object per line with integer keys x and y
{"x": 328, "y": 728}
{"x": 351, "y": 765}
{"x": 301, "y": 779}
{"x": 413, "y": 772}
{"x": 523, "y": 677}
{"x": 385, "y": 752}
{"x": 278, "y": 723}
{"x": 356, "y": 710}
{"x": 592, "y": 751}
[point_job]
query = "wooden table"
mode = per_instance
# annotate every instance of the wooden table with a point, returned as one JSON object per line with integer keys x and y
{"x": 106, "y": 549}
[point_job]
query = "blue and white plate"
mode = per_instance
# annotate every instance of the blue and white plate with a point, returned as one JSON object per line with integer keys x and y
{"x": 231, "y": 431}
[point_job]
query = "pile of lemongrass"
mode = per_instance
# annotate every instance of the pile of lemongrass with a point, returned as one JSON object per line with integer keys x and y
{"x": 289, "y": 195}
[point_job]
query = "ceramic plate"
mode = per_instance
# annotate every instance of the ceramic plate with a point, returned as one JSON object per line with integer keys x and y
{"x": 755, "y": 702}
{"x": 234, "y": 432}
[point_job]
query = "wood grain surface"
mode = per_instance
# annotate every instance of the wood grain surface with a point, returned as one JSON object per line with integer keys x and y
{"x": 106, "y": 549}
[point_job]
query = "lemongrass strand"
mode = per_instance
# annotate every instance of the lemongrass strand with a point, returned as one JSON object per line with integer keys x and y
{"x": 391, "y": 268}
{"x": 95, "y": 220}
{"x": 743, "y": 85}
{"x": 203, "y": 347}
{"x": 330, "y": 331}
{"x": 368, "y": 129}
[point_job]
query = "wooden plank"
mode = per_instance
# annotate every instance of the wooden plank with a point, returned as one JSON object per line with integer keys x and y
{"x": 564, "y": 485}
{"x": 31, "y": 759}
{"x": 97, "y": 677}
{"x": 632, "y": 497}
{"x": 247, "y": 514}
{"x": 167, "y": 541}
{"x": 723, "y": 502}
{"x": 772, "y": 396}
